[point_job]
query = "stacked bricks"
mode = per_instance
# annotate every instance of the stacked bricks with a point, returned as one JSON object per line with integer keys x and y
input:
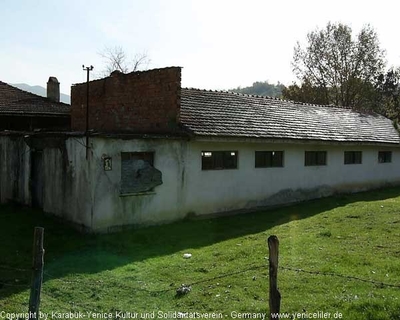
{"x": 137, "y": 102}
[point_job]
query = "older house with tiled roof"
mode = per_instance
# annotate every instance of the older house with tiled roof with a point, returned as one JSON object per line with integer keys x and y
{"x": 226, "y": 114}
{"x": 21, "y": 110}
{"x": 158, "y": 152}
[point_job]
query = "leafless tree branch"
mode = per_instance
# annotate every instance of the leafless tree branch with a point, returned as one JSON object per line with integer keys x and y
{"x": 115, "y": 58}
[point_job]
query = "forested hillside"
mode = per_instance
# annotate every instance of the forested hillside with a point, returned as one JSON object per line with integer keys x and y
{"x": 262, "y": 89}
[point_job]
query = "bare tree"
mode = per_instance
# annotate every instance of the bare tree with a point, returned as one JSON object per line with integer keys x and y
{"x": 115, "y": 58}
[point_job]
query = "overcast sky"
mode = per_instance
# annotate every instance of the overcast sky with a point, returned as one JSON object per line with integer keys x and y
{"x": 220, "y": 44}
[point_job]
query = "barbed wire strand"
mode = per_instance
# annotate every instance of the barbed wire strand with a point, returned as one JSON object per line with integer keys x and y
{"x": 14, "y": 269}
{"x": 332, "y": 274}
{"x": 225, "y": 275}
{"x": 14, "y": 285}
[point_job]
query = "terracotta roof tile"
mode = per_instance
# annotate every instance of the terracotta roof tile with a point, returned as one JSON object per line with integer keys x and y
{"x": 219, "y": 113}
{"x": 16, "y": 101}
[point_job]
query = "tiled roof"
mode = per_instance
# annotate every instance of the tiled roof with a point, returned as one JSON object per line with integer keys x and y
{"x": 226, "y": 114}
{"x": 14, "y": 101}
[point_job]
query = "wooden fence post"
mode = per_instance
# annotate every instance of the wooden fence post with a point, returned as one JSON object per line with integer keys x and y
{"x": 37, "y": 273}
{"x": 274, "y": 295}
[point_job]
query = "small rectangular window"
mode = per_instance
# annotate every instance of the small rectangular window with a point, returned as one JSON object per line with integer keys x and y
{"x": 315, "y": 158}
{"x": 268, "y": 159}
{"x": 384, "y": 156}
{"x": 218, "y": 160}
{"x": 352, "y": 157}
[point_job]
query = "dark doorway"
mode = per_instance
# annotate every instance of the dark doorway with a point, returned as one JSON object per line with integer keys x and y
{"x": 37, "y": 178}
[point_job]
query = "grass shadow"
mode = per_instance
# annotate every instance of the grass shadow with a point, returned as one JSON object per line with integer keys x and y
{"x": 69, "y": 252}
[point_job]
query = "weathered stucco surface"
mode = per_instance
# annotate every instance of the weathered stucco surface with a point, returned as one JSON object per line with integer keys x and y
{"x": 14, "y": 170}
{"x": 80, "y": 190}
{"x": 247, "y": 186}
{"x": 64, "y": 174}
{"x": 164, "y": 203}
{"x": 186, "y": 189}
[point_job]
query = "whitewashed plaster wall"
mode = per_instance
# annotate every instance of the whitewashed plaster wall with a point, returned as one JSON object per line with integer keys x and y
{"x": 81, "y": 191}
{"x": 245, "y": 187}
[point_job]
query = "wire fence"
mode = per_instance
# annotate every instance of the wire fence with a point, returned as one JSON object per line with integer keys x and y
{"x": 51, "y": 291}
{"x": 14, "y": 282}
{"x": 14, "y": 269}
{"x": 48, "y": 276}
{"x": 347, "y": 277}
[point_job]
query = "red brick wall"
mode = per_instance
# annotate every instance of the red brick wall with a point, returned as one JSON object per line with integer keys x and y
{"x": 140, "y": 102}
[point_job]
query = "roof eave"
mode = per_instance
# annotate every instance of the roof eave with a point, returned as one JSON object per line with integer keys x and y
{"x": 34, "y": 114}
{"x": 220, "y": 138}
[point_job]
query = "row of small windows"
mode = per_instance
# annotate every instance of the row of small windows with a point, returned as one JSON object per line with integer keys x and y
{"x": 216, "y": 160}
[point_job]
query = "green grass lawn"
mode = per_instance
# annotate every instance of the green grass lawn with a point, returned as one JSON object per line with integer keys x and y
{"x": 140, "y": 270}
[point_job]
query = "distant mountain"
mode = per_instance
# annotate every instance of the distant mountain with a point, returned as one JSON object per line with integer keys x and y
{"x": 40, "y": 91}
{"x": 262, "y": 89}
{"x": 258, "y": 88}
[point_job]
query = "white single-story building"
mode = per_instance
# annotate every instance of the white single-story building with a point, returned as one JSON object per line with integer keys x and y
{"x": 158, "y": 153}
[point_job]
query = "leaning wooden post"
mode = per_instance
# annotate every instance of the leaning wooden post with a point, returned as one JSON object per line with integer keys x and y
{"x": 37, "y": 273}
{"x": 274, "y": 295}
